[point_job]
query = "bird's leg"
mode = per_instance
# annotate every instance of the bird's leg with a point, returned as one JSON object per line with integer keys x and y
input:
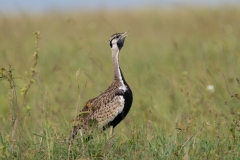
{"x": 111, "y": 130}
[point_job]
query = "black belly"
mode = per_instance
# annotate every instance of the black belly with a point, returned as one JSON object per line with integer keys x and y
{"x": 128, "y": 97}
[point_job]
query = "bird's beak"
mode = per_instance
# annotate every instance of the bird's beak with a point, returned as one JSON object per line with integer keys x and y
{"x": 125, "y": 34}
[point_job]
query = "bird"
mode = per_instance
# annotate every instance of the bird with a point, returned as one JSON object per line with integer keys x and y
{"x": 109, "y": 108}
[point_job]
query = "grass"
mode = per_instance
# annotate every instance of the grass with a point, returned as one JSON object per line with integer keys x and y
{"x": 169, "y": 59}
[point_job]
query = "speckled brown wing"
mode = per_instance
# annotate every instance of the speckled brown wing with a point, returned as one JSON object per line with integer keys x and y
{"x": 101, "y": 109}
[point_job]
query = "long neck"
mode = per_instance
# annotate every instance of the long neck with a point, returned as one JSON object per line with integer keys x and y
{"x": 116, "y": 67}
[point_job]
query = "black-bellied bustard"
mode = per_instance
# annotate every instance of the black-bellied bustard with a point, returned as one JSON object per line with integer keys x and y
{"x": 110, "y": 107}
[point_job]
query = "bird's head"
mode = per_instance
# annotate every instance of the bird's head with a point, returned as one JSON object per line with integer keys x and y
{"x": 117, "y": 40}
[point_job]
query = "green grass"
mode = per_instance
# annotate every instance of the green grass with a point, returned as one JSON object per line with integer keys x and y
{"x": 169, "y": 59}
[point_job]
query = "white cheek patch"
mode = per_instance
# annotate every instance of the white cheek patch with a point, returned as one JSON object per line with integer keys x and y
{"x": 114, "y": 41}
{"x": 114, "y": 46}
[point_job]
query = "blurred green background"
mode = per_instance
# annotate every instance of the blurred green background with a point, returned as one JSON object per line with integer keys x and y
{"x": 169, "y": 60}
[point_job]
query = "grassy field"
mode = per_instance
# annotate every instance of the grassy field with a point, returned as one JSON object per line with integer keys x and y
{"x": 169, "y": 60}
